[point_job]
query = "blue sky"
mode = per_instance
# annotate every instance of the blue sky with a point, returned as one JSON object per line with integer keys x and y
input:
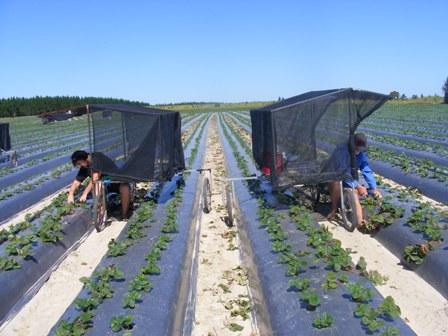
{"x": 225, "y": 51}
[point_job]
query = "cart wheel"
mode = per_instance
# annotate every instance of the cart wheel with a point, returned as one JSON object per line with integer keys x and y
{"x": 348, "y": 210}
{"x": 229, "y": 205}
{"x": 206, "y": 196}
{"x": 99, "y": 207}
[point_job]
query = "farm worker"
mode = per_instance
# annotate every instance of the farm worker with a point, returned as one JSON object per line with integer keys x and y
{"x": 83, "y": 161}
{"x": 359, "y": 190}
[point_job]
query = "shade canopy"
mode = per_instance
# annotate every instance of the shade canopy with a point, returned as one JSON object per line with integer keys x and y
{"x": 5, "y": 139}
{"x": 130, "y": 143}
{"x": 309, "y": 138}
{"x": 136, "y": 143}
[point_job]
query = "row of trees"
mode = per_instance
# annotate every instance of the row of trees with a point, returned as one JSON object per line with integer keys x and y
{"x": 17, "y": 107}
{"x": 396, "y": 94}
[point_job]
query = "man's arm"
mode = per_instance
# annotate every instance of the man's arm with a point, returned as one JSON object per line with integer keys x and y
{"x": 71, "y": 193}
{"x": 367, "y": 173}
{"x": 95, "y": 176}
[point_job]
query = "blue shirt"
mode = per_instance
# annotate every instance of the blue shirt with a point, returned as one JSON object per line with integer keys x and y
{"x": 363, "y": 165}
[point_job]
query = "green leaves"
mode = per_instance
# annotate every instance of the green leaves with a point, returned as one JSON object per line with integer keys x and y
{"x": 324, "y": 321}
{"x": 389, "y": 308}
{"x": 369, "y": 315}
{"x": 131, "y": 298}
{"x": 117, "y": 323}
{"x": 86, "y": 304}
{"x": 8, "y": 264}
{"x": 140, "y": 283}
{"x": 359, "y": 292}
{"x": 117, "y": 248}
{"x": 310, "y": 296}
{"x": 415, "y": 253}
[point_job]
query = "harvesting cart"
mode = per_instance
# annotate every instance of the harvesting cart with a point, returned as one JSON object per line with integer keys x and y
{"x": 307, "y": 140}
{"x": 143, "y": 145}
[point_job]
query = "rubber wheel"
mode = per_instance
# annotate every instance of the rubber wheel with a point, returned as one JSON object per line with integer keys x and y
{"x": 100, "y": 209}
{"x": 349, "y": 214}
{"x": 206, "y": 196}
{"x": 229, "y": 205}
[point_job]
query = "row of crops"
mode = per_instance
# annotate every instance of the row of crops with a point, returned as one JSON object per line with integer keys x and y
{"x": 30, "y": 249}
{"x": 303, "y": 280}
{"x": 46, "y": 168}
{"x": 307, "y": 279}
{"x": 419, "y": 233}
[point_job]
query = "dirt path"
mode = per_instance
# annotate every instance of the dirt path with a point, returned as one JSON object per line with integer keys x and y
{"x": 222, "y": 289}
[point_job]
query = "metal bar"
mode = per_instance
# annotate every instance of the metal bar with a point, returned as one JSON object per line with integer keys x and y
{"x": 88, "y": 128}
{"x": 342, "y": 197}
{"x": 241, "y": 178}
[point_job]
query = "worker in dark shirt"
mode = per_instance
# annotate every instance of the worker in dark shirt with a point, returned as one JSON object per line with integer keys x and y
{"x": 83, "y": 161}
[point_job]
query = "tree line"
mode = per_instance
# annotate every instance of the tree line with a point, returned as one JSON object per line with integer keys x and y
{"x": 18, "y": 107}
{"x": 396, "y": 94}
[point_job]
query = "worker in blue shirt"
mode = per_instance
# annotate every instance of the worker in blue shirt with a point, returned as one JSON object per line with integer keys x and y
{"x": 360, "y": 191}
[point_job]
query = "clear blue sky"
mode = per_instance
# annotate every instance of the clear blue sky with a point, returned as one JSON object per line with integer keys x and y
{"x": 225, "y": 51}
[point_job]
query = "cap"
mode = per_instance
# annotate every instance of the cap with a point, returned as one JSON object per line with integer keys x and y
{"x": 360, "y": 141}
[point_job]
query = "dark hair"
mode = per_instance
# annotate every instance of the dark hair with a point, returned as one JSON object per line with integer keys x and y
{"x": 79, "y": 155}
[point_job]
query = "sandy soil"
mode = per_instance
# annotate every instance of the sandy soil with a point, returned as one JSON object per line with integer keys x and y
{"x": 222, "y": 279}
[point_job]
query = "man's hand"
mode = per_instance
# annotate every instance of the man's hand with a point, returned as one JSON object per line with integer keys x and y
{"x": 377, "y": 193}
{"x": 83, "y": 198}
{"x": 70, "y": 199}
{"x": 362, "y": 191}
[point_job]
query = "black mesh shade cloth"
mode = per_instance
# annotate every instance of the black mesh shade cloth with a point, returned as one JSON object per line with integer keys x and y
{"x": 143, "y": 144}
{"x": 130, "y": 143}
{"x": 63, "y": 114}
{"x": 308, "y": 139}
{"x": 5, "y": 139}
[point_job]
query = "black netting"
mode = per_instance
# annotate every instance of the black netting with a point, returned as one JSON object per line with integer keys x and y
{"x": 5, "y": 139}
{"x": 143, "y": 144}
{"x": 62, "y": 115}
{"x": 309, "y": 138}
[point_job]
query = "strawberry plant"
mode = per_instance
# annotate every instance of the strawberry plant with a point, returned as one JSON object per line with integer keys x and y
{"x": 131, "y": 299}
{"x": 295, "y": 266}
{"x": 78, "y": 327}
{"x": 117, "y": 248}
{"x": 359, "y": 292}
{"x": 280, "y": 246}
{"x": 49, "y": 229}
{"x": 389, "y": 308}
{"x": 340, "y": 258}
{"x": 118, "y": 323}
{"x": 415, "y": 253}
{"x": 299, "y": 283}
{"x": 140, "y": 283}
{"x": 8, "y": 264}
{"x": 86, "y": 304}
{"x": 324, "y": 321}
{"x": 369, "y": 317}
{"x": 150, "y": 269}
{"x": 20, "y": 246}
{"x": 331, "y": 281}
{"x": 310, "y": 297}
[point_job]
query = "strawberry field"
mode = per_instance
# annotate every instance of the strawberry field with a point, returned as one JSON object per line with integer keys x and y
{"x": 302, "y": 280}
